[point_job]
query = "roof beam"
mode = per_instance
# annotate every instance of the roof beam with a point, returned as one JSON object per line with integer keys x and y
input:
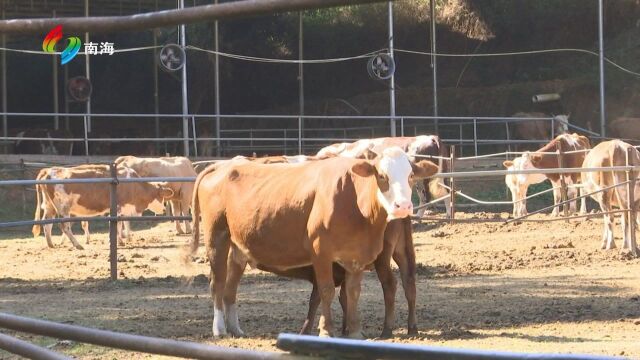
{"x": 204, "y": 13}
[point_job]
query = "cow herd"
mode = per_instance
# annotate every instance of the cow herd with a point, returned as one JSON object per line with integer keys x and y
{"x": 324, "y": 218}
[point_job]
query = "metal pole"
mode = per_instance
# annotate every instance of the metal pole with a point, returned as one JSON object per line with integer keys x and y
{"x": 5, "y": 124}
{"x": 216, "y": 33}
{"x": 631, "y": 187}
{"x": 434, "y": 68}
{"x": 27, "y": 349}
{"x": 185, "y": 100}
{"x": 66, "y": 98}
{"x": 156, "y": 95}
{"x": 452, "y": 183}
{"x": 113, "y": 224}
{"x": 54, "y": 64}
{"x": 195, "y": 137}
{"x": 87, "y": 67}
{"x": 392, "y": 81}
{"x": 475, "y": 136}
{"x": 300, "y": 81}
{"x": 603, "y": 130}
{"x": 86, "y": 137}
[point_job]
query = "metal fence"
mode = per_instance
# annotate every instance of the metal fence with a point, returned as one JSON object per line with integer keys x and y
{"x": 274, "y": 133}
{"x": 298, "y": 346}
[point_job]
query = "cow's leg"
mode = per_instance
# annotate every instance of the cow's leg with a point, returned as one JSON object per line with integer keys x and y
{"x": 175, "y": 210}
{"x": 48, "y": 214}
{"x": 422, "y": 196}
{"x": 407, "y": 269}
{"x": 218, "y": 260}
{"x": 388, "y": 282}
{"x": 624, "y": 217}
{"x": 314, "y": 302}
{"x": 184, "y": 208}
{"x": 353, "y": 281}
{"x": 557, "y": 198}
{"x": 66, "y": 229}
{"x": 514, "y": 199}
{"x": 342, "y": 298}
{"x": 323, "y": 268}
{"x": 85, "y": 228}
{"x": 236, "y": 264}
{"x": 607, "y": 234}
{"x": 583, "y": 201}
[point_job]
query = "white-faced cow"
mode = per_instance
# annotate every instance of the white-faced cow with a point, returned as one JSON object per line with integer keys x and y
{"x": 81, "y": 199}
{"x": 574, "y": 148}
{"x": 398, "y": 244}
{"x": 287, "y": 216}
{"x": 608, "y": 154}
{"x": 167, "y": 167}
{"x": 519, "y": 183}
{"x": 424, "y": 145}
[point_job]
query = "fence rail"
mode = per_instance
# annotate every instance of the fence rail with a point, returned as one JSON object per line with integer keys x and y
{"x": 298, "y": 136}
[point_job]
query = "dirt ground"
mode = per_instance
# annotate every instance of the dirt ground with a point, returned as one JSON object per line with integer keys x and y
{"x": 533, "y": 287}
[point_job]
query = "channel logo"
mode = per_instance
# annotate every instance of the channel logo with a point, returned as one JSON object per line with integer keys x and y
{"x": 52, "y": 38}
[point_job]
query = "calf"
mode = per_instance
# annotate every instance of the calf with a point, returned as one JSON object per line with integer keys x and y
{"x": 543, "y": 159}
{"x": 607, "y": 154}
{"x": 287, "y": 216}
{"x": 167, "y": 167}
{"x": 83, "y": 199}
{"x": 519, "y": 183}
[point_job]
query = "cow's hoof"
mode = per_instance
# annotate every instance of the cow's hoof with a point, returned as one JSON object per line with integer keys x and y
{"x": 386, "y": 333}
{"x": 237, "y": 333}
{"x": 79, "y": 247}
{"x": 412, "y": 330}
{"x": 325, "y": 333}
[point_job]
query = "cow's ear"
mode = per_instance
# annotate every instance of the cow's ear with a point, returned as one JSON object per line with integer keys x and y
{"x": 424, "y": 169}
{"x": 369, "y": 154}
{"x": 535, "y": 158}
{"x": 364, "y": 169}
{"x": 166, "y": 192}
{"x": 508, "y": 163}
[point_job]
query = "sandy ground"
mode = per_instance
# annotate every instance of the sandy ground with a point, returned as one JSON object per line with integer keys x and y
{"x": 533, "y": 287}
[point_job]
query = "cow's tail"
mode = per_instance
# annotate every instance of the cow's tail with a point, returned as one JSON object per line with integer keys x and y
{"x": 435, "y": 184}
{"x": 37, "y": 227}
{"x": 195, "y": 212}
{"x": 40, "y": 194}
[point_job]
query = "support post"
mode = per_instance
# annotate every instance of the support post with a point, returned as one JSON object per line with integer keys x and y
{"x": 631, "y": 187}
{"x": 54, "y": 68}
{"x": 452, "y": 184}
{"x": 66, "y": 98}
{"x": 87, "y": 68}
{"x": 185, "y": 99}
{"x": 86, "y": 137}
{"x": 300, "y": 82}
{"x": 563, "y": 183}
{"x": 216, "y": 79}
{"x": 113, "y": 223}
{"x": 3, "y": 57}
{"x": 475, "y": 136}
{"x": 156, "y": 94}
{"x": 195, "y": 137}
{"x": 601, "y": 62}
{"x": 434, "y": 61}
{"x": 392, "y": 81}
{"x": 23, "y": 171}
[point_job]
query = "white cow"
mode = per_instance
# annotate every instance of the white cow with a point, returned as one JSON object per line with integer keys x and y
{"x": 519, "y": 183}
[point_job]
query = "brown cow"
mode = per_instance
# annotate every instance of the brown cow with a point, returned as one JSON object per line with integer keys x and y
{"x": 425, "y": 145}
{"x": 606, "y": 154}
{"x": 398, "y": 243}
{"x": 543, "y": 159}
{"x": 91, "y": 199}
{"x": 286, "y": 216}
{"x": 177, "y": 166}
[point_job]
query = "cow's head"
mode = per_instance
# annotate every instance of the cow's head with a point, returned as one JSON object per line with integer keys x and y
{"x": 161, "y": 194}
{"x": 395, "y": 176}
{"x": 507, "y": 164}
{"x": 561, "y": 124}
